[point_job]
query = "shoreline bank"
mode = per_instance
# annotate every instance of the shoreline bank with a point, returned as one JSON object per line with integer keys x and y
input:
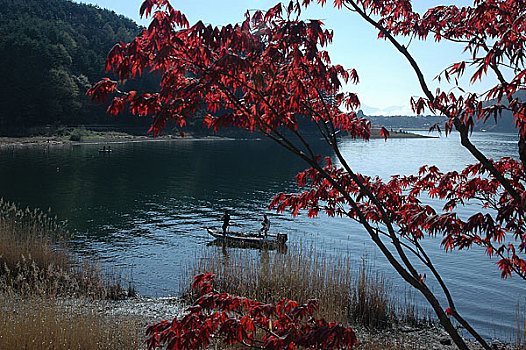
{"x": 100, "y": 138}
{"x": 431, "y": 337}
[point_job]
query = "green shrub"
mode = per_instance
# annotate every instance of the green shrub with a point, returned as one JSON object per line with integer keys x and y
{"x": 77, "y": 134}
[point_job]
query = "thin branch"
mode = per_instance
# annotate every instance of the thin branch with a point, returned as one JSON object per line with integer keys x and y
{"x": 461, "y": 128}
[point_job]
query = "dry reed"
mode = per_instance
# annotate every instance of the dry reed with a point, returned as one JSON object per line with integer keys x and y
{"x": 38, "y": 323}
{"x": 345, "y": 293}
{"x": 34, "y": 259}
{"x": 35, "y": 269}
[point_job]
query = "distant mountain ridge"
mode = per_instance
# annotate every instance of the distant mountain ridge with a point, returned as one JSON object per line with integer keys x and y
{"x": 504, "y": 123}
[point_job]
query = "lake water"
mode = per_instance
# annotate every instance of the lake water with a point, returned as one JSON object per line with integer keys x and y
{"x": 145, "y": 207}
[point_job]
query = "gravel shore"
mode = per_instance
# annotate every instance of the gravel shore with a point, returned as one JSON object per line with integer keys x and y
{"x": 150, "y": 310}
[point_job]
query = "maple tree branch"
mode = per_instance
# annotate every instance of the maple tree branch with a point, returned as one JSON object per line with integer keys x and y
{"x": 411, "y": 277}
{"x": 422, "y": 256}
{"x": 383, "y": 213}
{"x": 282, "y": 140}
{"x": 276, "y": 113}
{"x": 482, "y": 43}
{"x": 520, "y": 273}
{"x": 461, "y": 128}
{"x": 449, "y": 298}
{"x": 316, "y": 113}
{"x": 374, "y": 199}
{"x": 470, "y": 329}
{"x": 464, "y": 141}
{"x": 522, "y": 138}
{"x": 407, "y": 246}
{"x": 437, "y": 276}
{"x": 459, "y": 41}
{"x": 327, "y": 137}
{"x": 493, "y": 64}
{"x": 331, "y": 132}
{"x": 395, "y": 43}
{"x": 373, "y": 234}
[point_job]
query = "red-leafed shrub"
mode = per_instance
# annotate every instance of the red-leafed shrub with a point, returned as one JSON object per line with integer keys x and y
{"x": 234, "y": 320}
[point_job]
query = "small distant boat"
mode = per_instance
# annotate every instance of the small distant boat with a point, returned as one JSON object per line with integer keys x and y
{"x": 105, "y": 150}
{"x": 252, "y": 240}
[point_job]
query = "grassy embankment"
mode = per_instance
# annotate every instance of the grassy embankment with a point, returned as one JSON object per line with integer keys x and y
{"x": 38, "y": 281}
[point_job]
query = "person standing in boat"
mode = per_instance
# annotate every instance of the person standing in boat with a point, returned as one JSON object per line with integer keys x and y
{"x": 265, "y": 226}
{"x": 226, "y": 221}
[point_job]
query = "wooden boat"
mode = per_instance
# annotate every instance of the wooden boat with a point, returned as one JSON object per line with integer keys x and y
{"x": 246, "y": 239}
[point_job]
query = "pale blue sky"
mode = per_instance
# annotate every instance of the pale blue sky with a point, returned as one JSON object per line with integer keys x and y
{"x": 386, "y": 80}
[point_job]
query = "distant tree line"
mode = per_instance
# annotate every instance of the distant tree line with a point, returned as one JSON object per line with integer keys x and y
{"x": 396, "y": 122}
{"x": 504, "y": 123}
{"x": 52, "y": 51}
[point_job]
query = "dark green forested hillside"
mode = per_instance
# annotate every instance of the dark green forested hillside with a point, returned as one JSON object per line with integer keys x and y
{"x": 51, "y": 51}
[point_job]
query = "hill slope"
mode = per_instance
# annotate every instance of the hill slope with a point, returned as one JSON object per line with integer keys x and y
{"x": 52, "y": 51}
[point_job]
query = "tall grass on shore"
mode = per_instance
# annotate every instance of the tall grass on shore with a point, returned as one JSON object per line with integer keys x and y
{"x": 46, "y": 294}
{"x": 34, "y": 259}
{"x": 346, "y": 293}
{"x": 42, "y": 323}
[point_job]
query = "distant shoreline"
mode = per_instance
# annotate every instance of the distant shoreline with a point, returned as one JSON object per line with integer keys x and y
{"x": 101, "y": 138}
{"x": 400, "y": 134}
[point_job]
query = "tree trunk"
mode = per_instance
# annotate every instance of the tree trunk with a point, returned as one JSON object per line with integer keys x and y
{"x": 443, "y": 318}
{"x": 522, "y": 150}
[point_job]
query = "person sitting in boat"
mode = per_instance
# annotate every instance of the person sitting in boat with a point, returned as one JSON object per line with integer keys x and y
{"x": 265, "y": 226}
{"x": 226, "y": 221}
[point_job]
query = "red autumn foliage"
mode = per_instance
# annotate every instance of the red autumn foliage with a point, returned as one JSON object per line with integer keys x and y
{"x": 270, "y": 71}
{"x": 283, "y": 325}
{"x": 267, "y": 72}
{"x": 416, "y": 220}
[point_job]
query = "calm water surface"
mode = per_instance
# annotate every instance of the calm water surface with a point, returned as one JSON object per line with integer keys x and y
{"x": 145, "y": 207}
